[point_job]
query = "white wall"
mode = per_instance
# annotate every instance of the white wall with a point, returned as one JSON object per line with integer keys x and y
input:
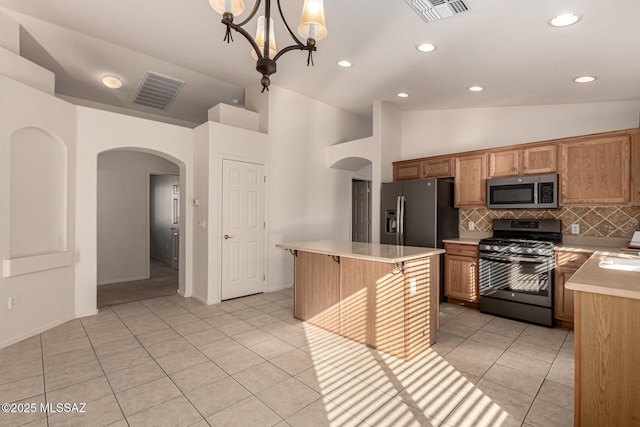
{"x": 44, "y": 298}
{"x": 100, "y": 131}
{"x": 433, "y": 132}
{"x": 123, "y": 215}
{"x": 307, "y": 200}
{"x": 226, "y": 142}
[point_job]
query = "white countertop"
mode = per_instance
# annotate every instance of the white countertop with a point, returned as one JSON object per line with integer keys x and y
{"x": 592, "y": 278}
{"x": 462, "y": 241}
{"x": 367, "y": 251}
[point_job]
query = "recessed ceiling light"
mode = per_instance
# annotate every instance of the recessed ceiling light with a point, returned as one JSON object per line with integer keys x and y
{"x": 585, "y": 79}
{"x": 403, "y": 95}
{"x": 344, "y": 64}
{"x": 564, "y": 20}
{"x": 476, "y": 88}
{"x": 426, "y": 47}
{"x": 112, "y": 82}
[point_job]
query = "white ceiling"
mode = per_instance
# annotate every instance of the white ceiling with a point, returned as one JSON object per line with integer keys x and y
{"x": 505, "y": 46}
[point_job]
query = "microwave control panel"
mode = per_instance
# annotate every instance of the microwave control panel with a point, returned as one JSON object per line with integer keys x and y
{"x": 546, "y": 192}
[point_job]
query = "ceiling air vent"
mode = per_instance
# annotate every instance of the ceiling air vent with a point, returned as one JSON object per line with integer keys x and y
{"x": 157, "y": 91}
{"x": 433, "y": 10}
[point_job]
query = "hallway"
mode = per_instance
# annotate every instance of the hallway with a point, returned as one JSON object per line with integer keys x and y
{"x": 162, "y": 283}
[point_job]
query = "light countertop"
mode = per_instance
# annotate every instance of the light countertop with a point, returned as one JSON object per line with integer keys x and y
{"x": 592, "y": 278}
{"x": 462, "y": 241}
{"x": 366, "y": 251}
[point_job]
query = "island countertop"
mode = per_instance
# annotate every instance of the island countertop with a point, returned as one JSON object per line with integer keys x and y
{"x": 591, "y": 277}
{"x": 366, "y": 251}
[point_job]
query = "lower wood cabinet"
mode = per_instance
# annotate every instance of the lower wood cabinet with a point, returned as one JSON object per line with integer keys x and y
{"x": 461, "y": 273}
{"x": 388, "y": 307}
{"x": 317, "y": 290}
{"x": 567, "y": 263}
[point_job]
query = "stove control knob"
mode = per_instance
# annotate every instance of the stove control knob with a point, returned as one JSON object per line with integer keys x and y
{"x": 487, "y": 247}
{"x": 495, "y": 248}
{"x": 540, "y": 251}
{"x": 513, "y": 249}
{"x": 529, "y": 251}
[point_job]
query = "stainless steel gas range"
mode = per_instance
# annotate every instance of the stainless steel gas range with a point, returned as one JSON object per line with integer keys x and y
{"x": 516, "y": 269}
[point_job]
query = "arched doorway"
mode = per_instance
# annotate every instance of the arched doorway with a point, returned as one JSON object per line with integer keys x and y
{"x": 138, "y": 223}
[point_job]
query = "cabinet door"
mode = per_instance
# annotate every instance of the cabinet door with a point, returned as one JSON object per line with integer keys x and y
{"x": 471, "y": 180}
{"x": 438, "y": 168}
{"x": 563, "y": 297}
{"x": 317, "y": 290}
{"x": 408, "y": 170}
{"x": 635, "y": 169}
{"x": 537, "y": 160}
{"x": 595, "y": 171}
{"x": 503, "y": 163}
{"x": 461, "y": 278}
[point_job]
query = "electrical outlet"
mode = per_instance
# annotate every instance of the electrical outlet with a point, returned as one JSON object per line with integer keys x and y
{"x": 13, "y": 302}
{"x": 413, "y": 286}
{"x": 575, "y": 228}
{"x": 472, "y": 225}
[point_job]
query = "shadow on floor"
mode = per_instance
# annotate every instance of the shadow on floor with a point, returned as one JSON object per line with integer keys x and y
{"x": 163, "y": 282}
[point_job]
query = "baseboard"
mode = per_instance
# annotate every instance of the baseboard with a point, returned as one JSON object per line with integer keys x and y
{"x": 280, "y": 288}
{"x": 124, "y": 279}
{"x": 88, "y": 313}
{"x": 39, "y": 330}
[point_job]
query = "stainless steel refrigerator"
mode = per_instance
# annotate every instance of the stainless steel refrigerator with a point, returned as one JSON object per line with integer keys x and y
{"x": 418, "y": 213}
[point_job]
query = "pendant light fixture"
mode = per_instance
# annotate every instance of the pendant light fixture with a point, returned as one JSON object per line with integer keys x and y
{"x": 312, "y": 28}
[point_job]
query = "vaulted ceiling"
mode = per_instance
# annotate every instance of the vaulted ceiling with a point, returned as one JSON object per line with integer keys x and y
{"x": 505, "y": 46}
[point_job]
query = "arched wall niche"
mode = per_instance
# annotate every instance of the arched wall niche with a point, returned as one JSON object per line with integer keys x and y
{"x": 38, "y": 193}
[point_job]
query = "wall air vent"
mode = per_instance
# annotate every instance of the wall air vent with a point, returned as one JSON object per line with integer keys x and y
{"x": 434, "y": 10}
{"x": 157, "y": 91}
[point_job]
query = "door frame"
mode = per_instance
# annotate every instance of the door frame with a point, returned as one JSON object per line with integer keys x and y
{"x": 220, "y": 212}
{"x": 150, "y": 172}
{"x": 356, "y": 177}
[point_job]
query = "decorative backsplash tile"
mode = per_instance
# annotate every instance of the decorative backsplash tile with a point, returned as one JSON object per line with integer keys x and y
{"x": 599, "y": 221}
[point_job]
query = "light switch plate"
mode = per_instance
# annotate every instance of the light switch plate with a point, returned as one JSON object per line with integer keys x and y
{"x": 575, "y": 229}
{"x": 413, "y": 286}
{"x": 472, "y": 225}
{"x": 13, "y": 302}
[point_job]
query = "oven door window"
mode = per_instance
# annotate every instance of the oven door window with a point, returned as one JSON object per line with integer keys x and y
{"x": 523, "y": 277}
{"x": 511, "y": 194}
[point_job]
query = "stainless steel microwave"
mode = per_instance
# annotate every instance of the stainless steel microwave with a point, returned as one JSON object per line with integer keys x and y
{"x": 523, "y": 192}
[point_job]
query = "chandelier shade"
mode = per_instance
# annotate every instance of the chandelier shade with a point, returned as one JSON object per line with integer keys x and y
{"x": 260, "y": 31}
{"x": 236, "y": 7}
{"x": 312, "y": 23}
{"x": 312, "y": 28}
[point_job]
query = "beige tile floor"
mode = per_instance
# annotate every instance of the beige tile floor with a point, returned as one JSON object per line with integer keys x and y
{"x": 247, "y": 362}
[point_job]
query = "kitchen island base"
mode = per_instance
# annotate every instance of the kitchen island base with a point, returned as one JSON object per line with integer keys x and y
{"x": 392, "y": 307}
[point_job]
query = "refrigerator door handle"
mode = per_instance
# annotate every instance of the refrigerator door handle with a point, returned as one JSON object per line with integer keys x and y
{"x": 398, "y": 219}
{"x": 402, "y": 199}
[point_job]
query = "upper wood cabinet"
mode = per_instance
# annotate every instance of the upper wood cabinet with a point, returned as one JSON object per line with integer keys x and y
{"x": 635, "y": 169}
{"x": 411, "y": 169}
{"x": 471, "y": 180}
{"x": 528, "y": 161}
{"x": 438, "y": 167}
{"x": 595, "y": 171}
{"x": 432, "y": 167}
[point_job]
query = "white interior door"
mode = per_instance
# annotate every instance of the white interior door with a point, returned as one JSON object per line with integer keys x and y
{"x": 243, "y": 225}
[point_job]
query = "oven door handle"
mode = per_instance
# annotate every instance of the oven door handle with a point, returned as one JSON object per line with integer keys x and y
{"x": 539, "y": 260}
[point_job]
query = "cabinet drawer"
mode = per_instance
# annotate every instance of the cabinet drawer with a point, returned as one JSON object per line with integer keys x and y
{"x": 461, "y": 250}
{"x": 571, "y": 259}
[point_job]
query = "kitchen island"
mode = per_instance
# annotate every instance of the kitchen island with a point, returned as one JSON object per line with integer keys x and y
{"x": 607, "y": 340}
{"x": 383, "y": 296}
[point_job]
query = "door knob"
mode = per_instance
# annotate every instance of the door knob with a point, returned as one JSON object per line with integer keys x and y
{"x": 226, "y": 236}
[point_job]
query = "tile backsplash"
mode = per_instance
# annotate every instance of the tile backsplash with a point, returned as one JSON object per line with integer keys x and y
{"x": 598, "y": 221}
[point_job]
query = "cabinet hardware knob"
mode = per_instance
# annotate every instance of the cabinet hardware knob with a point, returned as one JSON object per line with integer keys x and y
{"x": 514, "y": 169}
{"x": 459, "y": 250}
{"x": 572, "y": 260}
{"x": 473, "y": 264}
{"x": 525, "y": 168}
